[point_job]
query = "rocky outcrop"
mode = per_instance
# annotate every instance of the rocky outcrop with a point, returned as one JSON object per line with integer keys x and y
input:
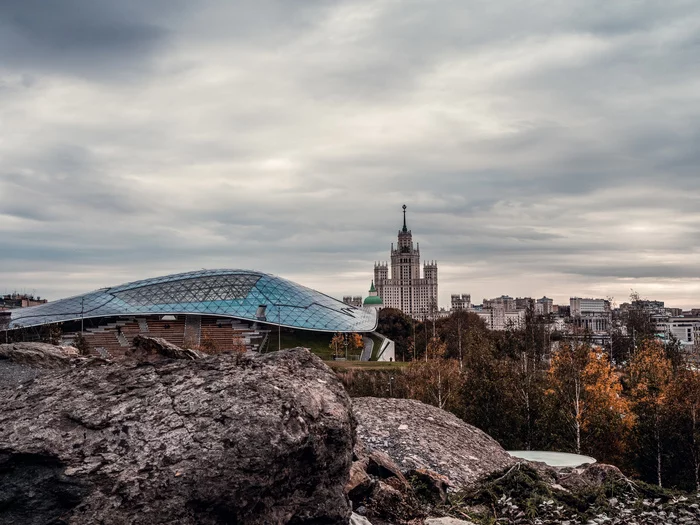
{"x": 226, "y": 439}
{"x": 589, "y": 476}
{"x": 447, "y": 521}
{"x": 419, "y": 436}
{"x": 22, "y": 362}
{"x": 38, "y": 355}
{"x": 154, "y": 348}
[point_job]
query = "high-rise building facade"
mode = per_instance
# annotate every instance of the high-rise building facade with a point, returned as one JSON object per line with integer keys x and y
{"x": 460, "y": 302}
{"x": 405, "y": 289}
{"x": 591, "y": 314}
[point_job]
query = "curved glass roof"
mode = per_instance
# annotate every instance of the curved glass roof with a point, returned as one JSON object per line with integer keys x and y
{"x": 226, "y": 293}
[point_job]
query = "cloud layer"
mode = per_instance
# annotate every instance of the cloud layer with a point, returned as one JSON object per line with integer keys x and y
{"x": 542, "y": 148}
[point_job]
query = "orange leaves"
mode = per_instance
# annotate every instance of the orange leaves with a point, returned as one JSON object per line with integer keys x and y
{"x": 603, "y": 398}
{"x": 356, "y": 341}
{"x": 650, "y": 373}
{"x": 589, "y": 393}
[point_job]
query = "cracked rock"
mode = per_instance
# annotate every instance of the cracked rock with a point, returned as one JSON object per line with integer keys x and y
{"x": 225, "y": 439}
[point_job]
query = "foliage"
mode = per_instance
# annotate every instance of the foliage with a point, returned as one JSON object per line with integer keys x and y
{"x": 208, "y": 345}
{"x": 345, "y": 344}
{"x": 641, "y": 413}
{"x": 337, "y": 344}
{"x": 81, "y": 344}
{"x": 52, "y": 333}
{"x": 436, "y": 381}
{"x": 650, "y": 374}
{"x": 398, "y": 327}
{"x": 521, "y": 495}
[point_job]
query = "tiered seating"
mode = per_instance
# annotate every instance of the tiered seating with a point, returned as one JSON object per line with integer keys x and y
{"x": 221, "y": 333}
{"x": 130, "y": 330}
{"x": 172, "y": 331}
{"x": 106, "y": 340}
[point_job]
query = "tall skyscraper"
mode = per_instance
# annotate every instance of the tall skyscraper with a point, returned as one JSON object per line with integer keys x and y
{"x": 406, "y": 289}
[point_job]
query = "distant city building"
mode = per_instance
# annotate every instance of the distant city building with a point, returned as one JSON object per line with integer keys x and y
{"x": 650, "y": 306}
{"x": 354, "y": 300}
{"x": 507, "y": 302}
{"x": 17, "y": 300}
{"x": 501, "y": 313}
{"x": 591, "y": 314}
{"x": 544, "y": 306}
{"x": 523, "y": 303}
{"x": 460, "y": 302}
{"x": 563, "y": 310}
{"x": 497, "y": 317}
{"x": 685, "y": 329}
{"x": 406, "y": 290}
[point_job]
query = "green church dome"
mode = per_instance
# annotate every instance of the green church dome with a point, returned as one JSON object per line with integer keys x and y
{"x": 373, "y": 299}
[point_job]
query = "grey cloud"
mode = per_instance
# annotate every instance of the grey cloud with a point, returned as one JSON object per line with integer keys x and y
{"x": 553, "y": 141}
{"x": 91, "y": 38}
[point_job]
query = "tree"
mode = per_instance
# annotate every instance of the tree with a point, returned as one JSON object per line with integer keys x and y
{"x": 398, "y": 327}
{"x": 587, "y": 394}
{"x": 682, "y": 423}
{"x": 489, "y": 400}
{"x": 566, "y": 385}
{"x": 337, "y": 343}
{"x": 81, "y": 344}
{"x": 356, "y": 342}
{"x": 455, "y": 329}
{"x": 607, "y": 417}
{"x": 650, "y": 375}
{"x": 638, "y": 321}
{"x": 436, "y": 381}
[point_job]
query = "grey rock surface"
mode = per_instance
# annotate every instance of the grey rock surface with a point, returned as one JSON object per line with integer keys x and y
{"x": 356, "y": 519}
{"x": 416, "y": 435}
{"x": 226, "y": 439}
{"x": 38, "y": 355}
{"x": 447, "y": 521}
{"x": 22, "y": 362}
{"x": 150, "y": 348}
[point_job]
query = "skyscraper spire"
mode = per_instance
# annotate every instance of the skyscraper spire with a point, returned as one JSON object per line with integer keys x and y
{"x": 404, "y": 219}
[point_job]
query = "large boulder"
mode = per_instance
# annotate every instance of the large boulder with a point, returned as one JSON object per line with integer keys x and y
{"x": 153, "y": 348}
{"x": 22, "y": 362}
{"x": 226, "y": 439}
{"x": 419, "y": 436}
{"x": 38, "y": 355}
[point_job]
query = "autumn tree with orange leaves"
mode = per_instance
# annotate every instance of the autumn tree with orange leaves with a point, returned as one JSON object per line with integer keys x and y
{"x": 650, "y": 374}
{"x": 586, "y": 394}
{"x": 608, "y": 417}
{"x": 341, "y": 344}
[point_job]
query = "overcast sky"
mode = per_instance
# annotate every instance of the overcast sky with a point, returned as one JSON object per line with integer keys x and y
{"x": 542, "y": 147}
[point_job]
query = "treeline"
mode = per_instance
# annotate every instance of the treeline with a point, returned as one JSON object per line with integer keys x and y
{"x": 640, "y": 411}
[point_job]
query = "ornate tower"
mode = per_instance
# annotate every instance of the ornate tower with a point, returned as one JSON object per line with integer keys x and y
{"x": 406, "y": 290}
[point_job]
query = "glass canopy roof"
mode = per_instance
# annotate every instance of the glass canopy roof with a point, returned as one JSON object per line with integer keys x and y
{"x": 226, "y": 293}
